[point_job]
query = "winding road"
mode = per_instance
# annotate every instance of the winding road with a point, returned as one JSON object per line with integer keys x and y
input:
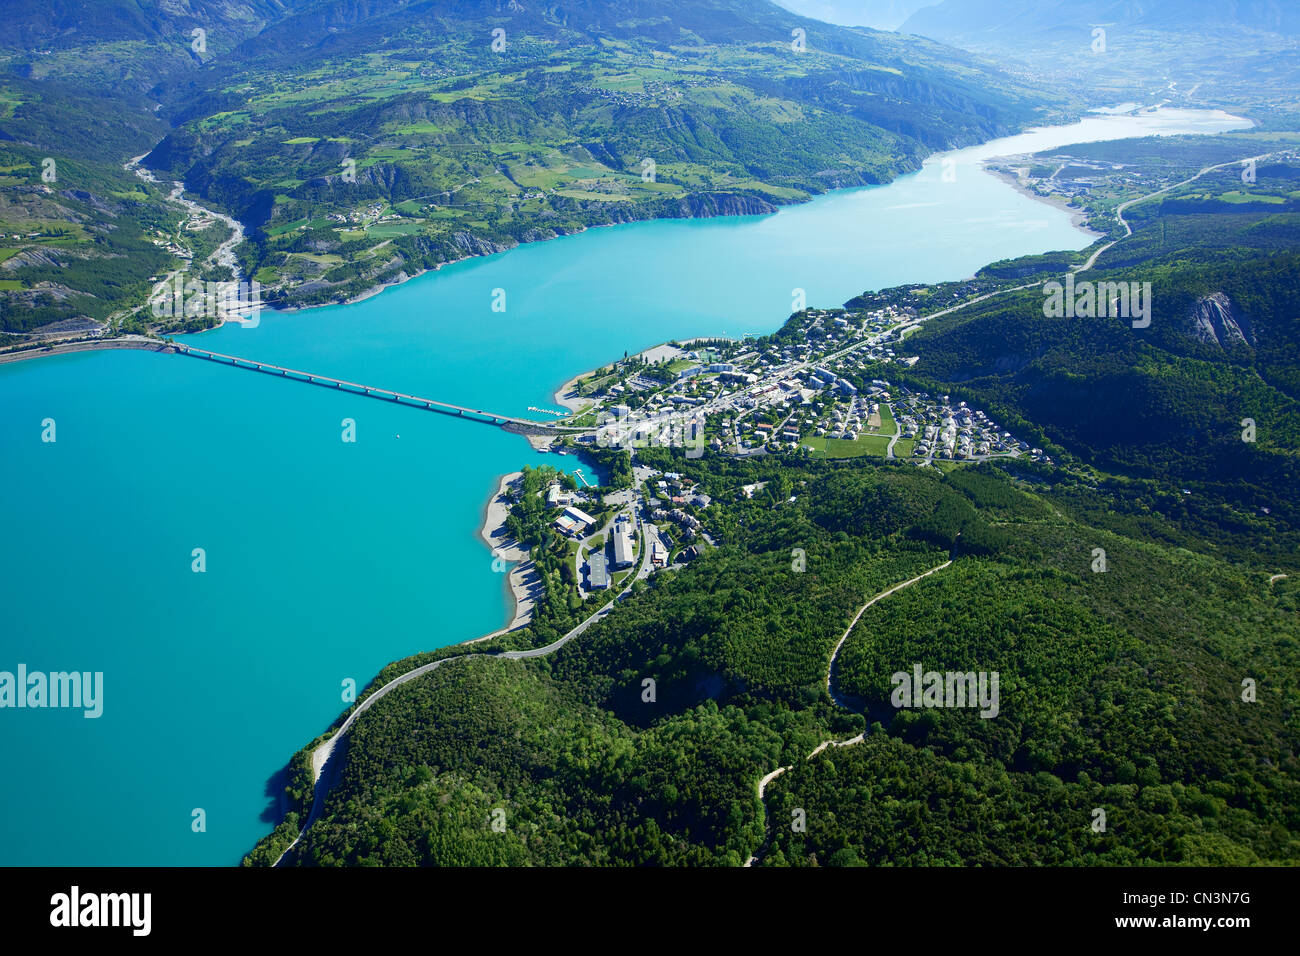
{"x": 1123, "y": 207}
{"x": 323, "y": 753}
{"x": 830, "y": 671}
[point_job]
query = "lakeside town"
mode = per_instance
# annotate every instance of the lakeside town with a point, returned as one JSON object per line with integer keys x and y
{"x": 819, "y": 387}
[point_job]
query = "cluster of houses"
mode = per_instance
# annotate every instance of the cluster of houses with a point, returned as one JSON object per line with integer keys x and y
{"x": 371, "y": 213}
{"x": 680, "y": 490}
{"x": 653, "y": 93}
{"x": 948, "y": 431}
{"x": 690, "y": 525}
{"x": 162, "y": 241}
{"x": 827, "y": 331}
{"x": 850, "y": 419}
{"x": 644, "y": 428}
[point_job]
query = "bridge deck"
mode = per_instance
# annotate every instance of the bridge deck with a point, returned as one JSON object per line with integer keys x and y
{"x": 357, "y": 388}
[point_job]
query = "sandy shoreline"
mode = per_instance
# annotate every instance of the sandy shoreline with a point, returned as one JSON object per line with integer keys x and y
{"x": 521, "y": 581}
{"x": 1078, "y": 216}
{"x": 566, "y": 396}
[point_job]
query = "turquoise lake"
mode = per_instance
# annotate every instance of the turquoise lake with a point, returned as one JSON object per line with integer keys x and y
{"x": 327, "y": 560}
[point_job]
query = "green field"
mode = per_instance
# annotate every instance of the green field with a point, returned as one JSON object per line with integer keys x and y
{"x": 870, "y": 442}
{"x": 845, "y": 448}
{"x": 887, "y": 424}
{"x": 1238, "y": 197}
{"x": 287, "y": 227}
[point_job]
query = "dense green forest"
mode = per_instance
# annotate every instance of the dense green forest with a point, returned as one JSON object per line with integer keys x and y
{"x": 1095, "y": 667}
{"x": 1160, "y": 405}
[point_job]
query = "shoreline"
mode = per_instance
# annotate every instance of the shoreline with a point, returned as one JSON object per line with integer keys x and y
{"x": 1061, "y": 119}
{"x": 91, "y": 345}
{"x": 1078, "y": 216}
{"x": 1077, "y": 220}
{"x": 576, "y": 404}
{"x": 520, "y": 581}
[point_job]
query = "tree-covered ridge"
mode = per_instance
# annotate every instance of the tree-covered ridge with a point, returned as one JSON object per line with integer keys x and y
{"x": 1202, "y": 404}
{"x": 1129, "y": 675}
{"x": 1119, "y": 689}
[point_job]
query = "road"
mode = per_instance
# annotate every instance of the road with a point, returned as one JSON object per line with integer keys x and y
{"x": 830, "y": 670}
{"x": 898, "y": 433}
{"x": 321, "y": 756}
{"x": 63, "y": 348}
{"x": 1123, "y": 207}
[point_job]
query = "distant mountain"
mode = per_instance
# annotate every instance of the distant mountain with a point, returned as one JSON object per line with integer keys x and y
{"x": 961, "y": 21}
{"x": 877, "y": 14}
{"x": 327, "y": 26}
{"x": 1234, "y": 54}
{"x": 470, "y": 147}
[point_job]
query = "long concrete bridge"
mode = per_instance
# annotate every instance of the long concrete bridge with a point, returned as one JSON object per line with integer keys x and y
{"x": 514, "y": 423}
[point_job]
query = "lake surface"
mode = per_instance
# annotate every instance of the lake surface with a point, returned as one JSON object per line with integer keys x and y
{"x": 327, "y": 560}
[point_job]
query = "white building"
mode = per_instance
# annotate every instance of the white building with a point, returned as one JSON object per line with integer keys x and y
{"x": 624, "y": 553}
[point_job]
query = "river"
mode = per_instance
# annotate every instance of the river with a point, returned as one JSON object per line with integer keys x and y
{"x": 326, "y": 560}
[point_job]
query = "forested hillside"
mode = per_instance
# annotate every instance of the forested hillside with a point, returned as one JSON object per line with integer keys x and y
{"x": 1094, "y": 667}
{"x": 1169, "y": 404}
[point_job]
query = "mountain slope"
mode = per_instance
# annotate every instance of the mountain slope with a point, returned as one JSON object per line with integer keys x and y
{"x": 582, "y": 113}
{"x": 128, "y": 43}
{"x": 877, "y": 14}
{"x": 363, "y": 141}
